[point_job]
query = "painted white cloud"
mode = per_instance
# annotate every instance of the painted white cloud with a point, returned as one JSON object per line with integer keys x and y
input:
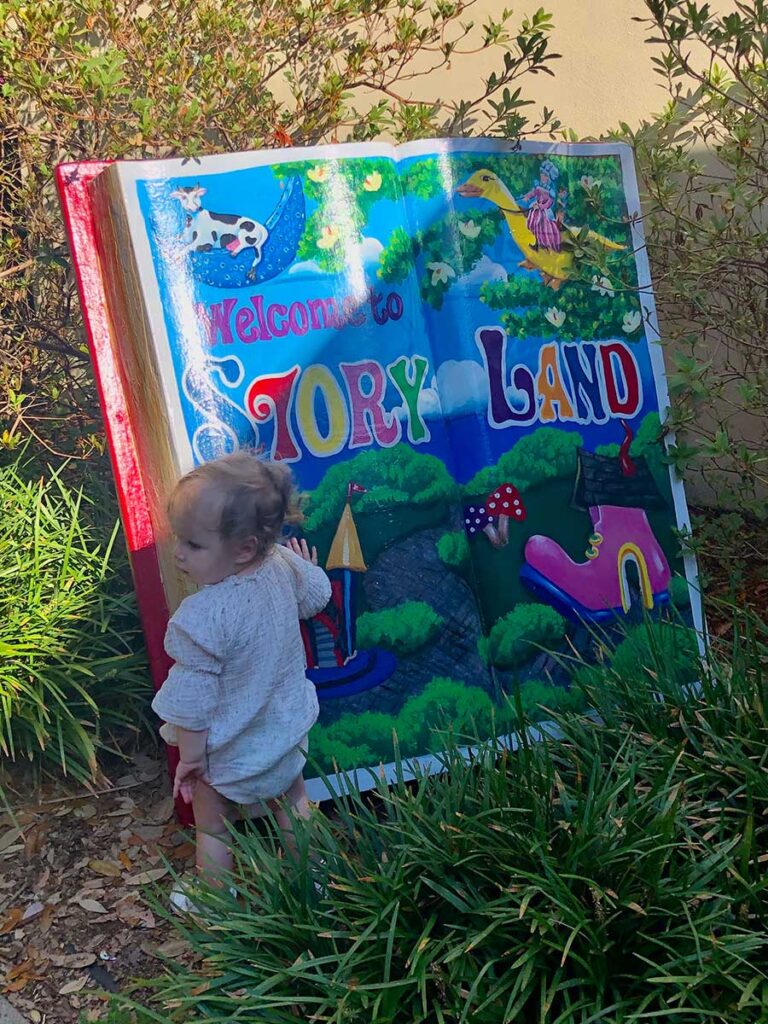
{"x": 429, "y": 401}
{"x": 517, "y": 400}
{"x": 462, "y": 386}
{"x": 459, "y": 387}
{"x": 370, "y": 250}
{"x": 485, "y": 270}
{"x": 306, "y": 267}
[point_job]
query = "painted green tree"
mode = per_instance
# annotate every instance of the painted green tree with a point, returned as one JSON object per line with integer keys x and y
{"x": 602, "y": 298}
{"x": 392, "y": 477}
{"x": 534, "y": 459}
{"x": 600, "y": 301}
{"x": 341, "y": 195}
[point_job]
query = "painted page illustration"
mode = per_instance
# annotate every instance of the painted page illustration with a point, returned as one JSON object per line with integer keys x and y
{"x": 453, "y": 344}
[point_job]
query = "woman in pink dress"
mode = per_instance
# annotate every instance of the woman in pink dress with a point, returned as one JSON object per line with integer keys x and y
{"x": 541, "y": 214}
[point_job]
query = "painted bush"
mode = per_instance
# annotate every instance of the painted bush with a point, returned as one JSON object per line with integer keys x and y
{"x": 444, "y": 704}
{"x": 403, "y": 629}
{"x": 514, "y": 638}
{"x": 453, "y": 549}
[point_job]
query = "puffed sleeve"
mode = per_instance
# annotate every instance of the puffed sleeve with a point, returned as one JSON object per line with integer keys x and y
{"x": 195, "y": 641}
{"x": 313, "y": 588}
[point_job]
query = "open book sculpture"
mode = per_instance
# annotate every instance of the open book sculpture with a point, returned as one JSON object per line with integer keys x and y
{"x": 454, "y": 345}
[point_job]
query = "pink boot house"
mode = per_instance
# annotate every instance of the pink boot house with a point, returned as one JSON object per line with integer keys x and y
{"x": 597, "y": 590}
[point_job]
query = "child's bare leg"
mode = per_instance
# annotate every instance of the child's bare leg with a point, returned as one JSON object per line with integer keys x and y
{"x": 293, "y": 804}
{"x": 212, "y": 812}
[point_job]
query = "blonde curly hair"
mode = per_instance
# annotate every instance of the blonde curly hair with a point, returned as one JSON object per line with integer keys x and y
{"x": 258, "y": 498}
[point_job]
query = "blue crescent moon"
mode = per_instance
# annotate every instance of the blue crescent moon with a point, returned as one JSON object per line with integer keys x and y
{"x": 285, "y": 226}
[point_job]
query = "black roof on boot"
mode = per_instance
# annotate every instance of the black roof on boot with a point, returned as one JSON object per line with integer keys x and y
{"x": 600, "y": 481}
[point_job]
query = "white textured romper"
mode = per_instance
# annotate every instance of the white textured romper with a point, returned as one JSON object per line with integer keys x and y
{"x": 240, "y": 673}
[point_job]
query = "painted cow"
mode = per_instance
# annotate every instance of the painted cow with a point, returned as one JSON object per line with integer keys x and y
{"x": 205, "y": 230}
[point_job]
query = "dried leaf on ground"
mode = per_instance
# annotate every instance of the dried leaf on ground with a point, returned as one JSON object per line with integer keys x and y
{"x": 108, "y": 868}
{"x": 11, "y": 919}
{"x": 146, "y": 877}
{"x": 33, "y": 910}
{"x": 134, "y": 913}
{"x": 92, "y": 906}
{"x": 163, "y": 811}
{"x": 18, "y": 985}
{"x": 9, "y": 838}
{"x": 72, "y": 986}
{"x": 26, "y": 967}
{"x": 73, "y": 961}
{"x": 46, "y": 918}
{"x": 173, "y": 948}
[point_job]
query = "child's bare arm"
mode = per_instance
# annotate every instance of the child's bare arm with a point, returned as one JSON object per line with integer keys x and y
{"x": 192, "y": 763}
{"x": 192, "y": 744}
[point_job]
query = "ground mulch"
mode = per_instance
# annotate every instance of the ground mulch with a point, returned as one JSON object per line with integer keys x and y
{"x": 76, "y": 871}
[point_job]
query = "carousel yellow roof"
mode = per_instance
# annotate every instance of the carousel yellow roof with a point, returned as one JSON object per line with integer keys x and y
{"x": 346, "y": 552}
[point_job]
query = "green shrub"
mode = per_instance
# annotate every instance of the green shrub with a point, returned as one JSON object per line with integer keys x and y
{"x": 704, "y": 189}
{"x": 453, "y": 549}
{"x": 70, "y": 670}
{"x": 516, "y": 637}
{"x": 403, "y": 629}
{"x": 612, "y": 875}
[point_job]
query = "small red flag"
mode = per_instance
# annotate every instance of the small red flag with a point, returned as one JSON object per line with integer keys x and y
{"x": 354, "y": 488}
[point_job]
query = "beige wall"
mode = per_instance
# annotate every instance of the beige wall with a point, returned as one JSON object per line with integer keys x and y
{"x": 605, "y": 74}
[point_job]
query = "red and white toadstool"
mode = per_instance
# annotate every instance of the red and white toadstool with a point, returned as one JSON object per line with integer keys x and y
{"x": 506, "y": 503}
{"x": 477, "y": 518}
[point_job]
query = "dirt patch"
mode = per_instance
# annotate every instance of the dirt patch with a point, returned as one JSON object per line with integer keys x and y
{"x": 76, "y": 874}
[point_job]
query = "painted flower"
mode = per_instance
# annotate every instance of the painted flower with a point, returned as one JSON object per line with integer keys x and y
{"x": 555, "y": 316}
{"x": 603, "y": 286}
{"x": 587, "y": 182}
{"x": 372, "y": 183}
{"x": 469, "y": 229}
{"x": 441, "y": 272}
{"x": 328, "y": 237}
{"x": 632, "y": 321}
{"x": 319, "y": 173}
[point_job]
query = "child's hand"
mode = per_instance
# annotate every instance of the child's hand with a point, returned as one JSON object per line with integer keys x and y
{"x": 187, "y": 775}
{"x": 301, "y": 548}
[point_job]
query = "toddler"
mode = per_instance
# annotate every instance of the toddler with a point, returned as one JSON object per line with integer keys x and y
{"x": 237, "y": 702}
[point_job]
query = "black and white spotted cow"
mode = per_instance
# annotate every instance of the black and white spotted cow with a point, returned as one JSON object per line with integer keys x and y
{"x": 205, "y": 230}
